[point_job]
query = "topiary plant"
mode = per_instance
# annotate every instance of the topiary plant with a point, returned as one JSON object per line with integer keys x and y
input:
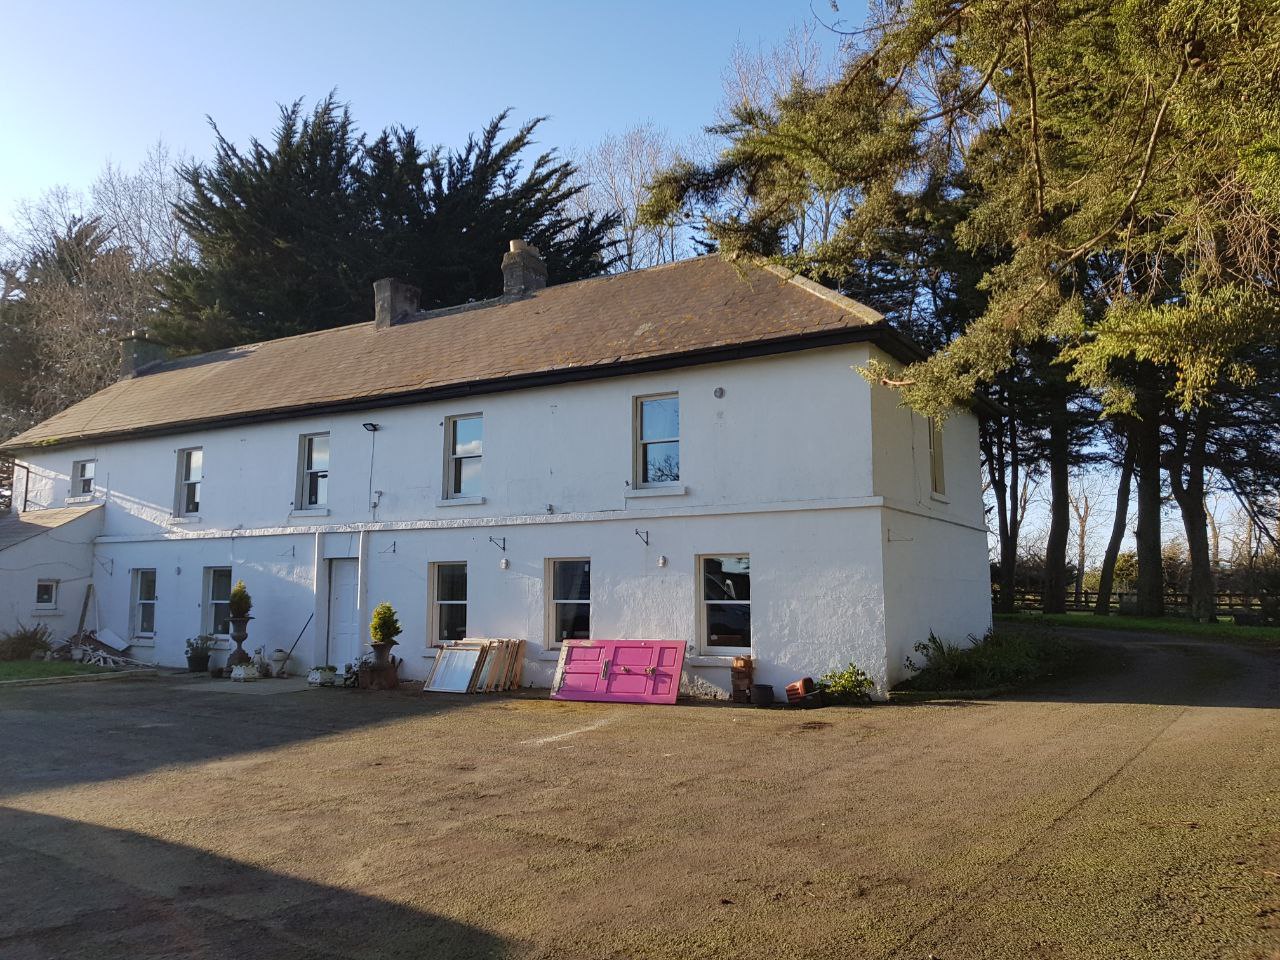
{"x": 384, "y": 627}
{"x": 239, "y": 603}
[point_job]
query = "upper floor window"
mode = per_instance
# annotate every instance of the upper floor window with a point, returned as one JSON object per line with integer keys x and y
{"x": 313, "y": 471}
{"x": 726, "y": 601}
{"x": 937, "y": 477}
{"x": 570, "y": 607}
{"x": 464, "y": 453}
{"x": 46, "y": 594}
{"x": 190, "y": 478}
{"x": 82, "y": 472}
{"x": 657, "y": 432}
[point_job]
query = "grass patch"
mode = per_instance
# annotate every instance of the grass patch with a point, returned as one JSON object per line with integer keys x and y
{"x": 1174, "y": 626}
{"x": 40, "y": 669}
{"x": 1001, "y": 660}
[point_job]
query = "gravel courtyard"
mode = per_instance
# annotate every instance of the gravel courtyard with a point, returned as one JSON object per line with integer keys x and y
{"x": 1131, "y": 813}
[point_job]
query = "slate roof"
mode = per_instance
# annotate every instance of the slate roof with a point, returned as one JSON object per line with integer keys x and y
{"x": 693, "y": 311}
{"x": 18, "y": 527}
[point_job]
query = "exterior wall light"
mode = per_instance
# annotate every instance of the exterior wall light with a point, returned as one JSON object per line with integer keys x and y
{"x": 662, "y": 561}
{"x": 371, "y": 427}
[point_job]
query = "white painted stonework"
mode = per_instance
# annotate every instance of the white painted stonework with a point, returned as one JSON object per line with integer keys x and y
{"x": 821, "y": 478}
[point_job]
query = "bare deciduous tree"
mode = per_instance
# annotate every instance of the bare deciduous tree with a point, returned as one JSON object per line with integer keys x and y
{"x": 618, "y": 171}
{"x": 77, "y": 273}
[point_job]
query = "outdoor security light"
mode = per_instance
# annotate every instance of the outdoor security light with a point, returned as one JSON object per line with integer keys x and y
{"x": 371, "y": 427}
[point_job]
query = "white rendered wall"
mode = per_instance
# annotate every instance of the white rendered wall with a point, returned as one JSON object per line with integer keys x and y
{"x": 791, "y": 428}
{"x": 780, "y": 467}
{"x": 816, "y": 586}
{"x": 937, "y": 577}
{"x": 62, "y": 553}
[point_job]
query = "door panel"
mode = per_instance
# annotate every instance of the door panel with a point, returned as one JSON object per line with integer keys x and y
{"x": 621, "y": 671}
{"x": 344, "y": 613}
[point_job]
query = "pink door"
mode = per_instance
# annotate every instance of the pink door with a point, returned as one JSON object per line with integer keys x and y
{"x": 619, "y": 671}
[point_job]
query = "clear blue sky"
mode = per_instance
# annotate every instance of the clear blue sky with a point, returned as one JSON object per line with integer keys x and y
{"x": 85, "y": 82}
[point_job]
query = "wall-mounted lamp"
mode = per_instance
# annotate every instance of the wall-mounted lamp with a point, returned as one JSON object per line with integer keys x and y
{"x": 504, "y": 564}
{"x": 371, "y": 427}
{"x": 662, "y": 561}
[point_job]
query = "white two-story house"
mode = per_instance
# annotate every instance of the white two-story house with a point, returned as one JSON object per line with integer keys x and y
{"x": 685, "y": 452}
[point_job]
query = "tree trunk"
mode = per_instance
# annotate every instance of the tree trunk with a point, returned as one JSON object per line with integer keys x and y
{"x": 1146, "y": 442}
{"x": 1000, "y": 447}
{"x": 1186, "y": 479}
{"x": 1054, "y": 599}
{"x": 1107, "y": 575}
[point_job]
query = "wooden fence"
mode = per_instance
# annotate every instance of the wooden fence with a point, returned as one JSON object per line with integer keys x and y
{"x": 1227, "y": 602}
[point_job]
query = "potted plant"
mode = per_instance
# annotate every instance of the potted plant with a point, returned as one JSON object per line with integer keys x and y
{"x": 279, "y": 658}
{"x": 383, "y": 630}
{"x": 198, "y": 653}
{"x": 325, "y": 675}
{"x": 239, "y": 604}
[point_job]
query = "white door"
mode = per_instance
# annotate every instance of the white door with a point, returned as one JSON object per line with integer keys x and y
{"x": 344, "y": 627}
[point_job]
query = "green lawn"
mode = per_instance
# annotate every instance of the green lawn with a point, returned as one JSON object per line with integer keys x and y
{"x": 1222, "y": 630}
{"x": 39, "y": 669}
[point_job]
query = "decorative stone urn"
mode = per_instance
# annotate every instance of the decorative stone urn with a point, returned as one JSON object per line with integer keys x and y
{"x": 239, "y": 634}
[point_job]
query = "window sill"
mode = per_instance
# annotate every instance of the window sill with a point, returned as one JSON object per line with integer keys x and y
{"x": 46, "y": 612}
{"x": 304, "y": 512}
{"x": 460, "y": 502}
{"x": 939, "y": 497}
{"x": 142, "y": 642}
{"x": 671, "y": 490}
{"x": 714, "y": 659}
{"x": 552, "y": 655}
{"x": 187, "y": 518}
{"x": 72, "y": 501}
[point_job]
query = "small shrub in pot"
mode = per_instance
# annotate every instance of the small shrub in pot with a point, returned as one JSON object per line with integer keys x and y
{"x": 198, "y": 653}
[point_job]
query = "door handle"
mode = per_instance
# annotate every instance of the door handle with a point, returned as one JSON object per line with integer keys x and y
{"x": 604, "y": 671}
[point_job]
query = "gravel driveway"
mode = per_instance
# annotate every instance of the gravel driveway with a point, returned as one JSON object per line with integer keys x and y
{"x": 1134, "y": 812}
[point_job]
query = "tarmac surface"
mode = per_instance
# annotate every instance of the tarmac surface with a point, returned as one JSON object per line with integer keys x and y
{"x": 1131, "y": 811}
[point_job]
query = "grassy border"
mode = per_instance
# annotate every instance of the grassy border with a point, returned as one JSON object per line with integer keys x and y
{"x": 1172, "y": 626}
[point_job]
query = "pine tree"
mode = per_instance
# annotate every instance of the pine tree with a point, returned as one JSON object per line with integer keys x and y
{"x": 1124, "y": 166}
{"x": 291, "y": 233}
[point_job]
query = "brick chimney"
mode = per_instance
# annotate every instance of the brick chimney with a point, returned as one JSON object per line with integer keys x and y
{"x": 138, "y": 351}
{"x": 394, "y": 301}
{"x": 523, "y": 270}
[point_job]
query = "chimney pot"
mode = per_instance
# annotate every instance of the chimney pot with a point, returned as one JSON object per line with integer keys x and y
{"x": 394, "y": 301}
{"x": 523, "y": 269}
{"x": 138, "y": 350}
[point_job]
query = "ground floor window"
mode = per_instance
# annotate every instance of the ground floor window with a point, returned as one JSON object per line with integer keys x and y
{"x": 217, "y": 607}
{"x": 144, "y": 603}
{"x": 448, "y": 602}
{"x": 46, "y": 594}
{"x": 725, "y": 588}
{"x": 570, "y": 607}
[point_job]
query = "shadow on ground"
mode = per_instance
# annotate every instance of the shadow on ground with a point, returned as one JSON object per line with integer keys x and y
{"x": 1112, "y": 666}
{"x": 57, "y": 736}
{"x": 72, "y": 891}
